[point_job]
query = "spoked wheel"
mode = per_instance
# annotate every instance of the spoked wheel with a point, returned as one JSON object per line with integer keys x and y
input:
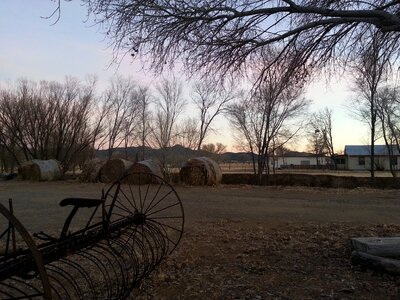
{"x": 155, "y": 211}
{"x": 22, "y": 273}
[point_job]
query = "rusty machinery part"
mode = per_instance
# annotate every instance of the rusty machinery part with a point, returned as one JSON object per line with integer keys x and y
{"x": 15, "y": 245}
{"x": 156, "y": 206}
{"x": 142, "y": 222}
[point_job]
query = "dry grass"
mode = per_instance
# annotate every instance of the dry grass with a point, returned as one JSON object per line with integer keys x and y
{"x": 247, "y": 168}
{"x": 238, "y": 260}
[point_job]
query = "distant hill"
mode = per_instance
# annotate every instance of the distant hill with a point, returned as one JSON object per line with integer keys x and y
{"x": 233, "y": 157}
{"x": 178, "y": 155}
{"x": 298, "y": 154}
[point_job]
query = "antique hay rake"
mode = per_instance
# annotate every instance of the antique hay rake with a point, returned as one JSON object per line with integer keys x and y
{"x": 132, "y": 227}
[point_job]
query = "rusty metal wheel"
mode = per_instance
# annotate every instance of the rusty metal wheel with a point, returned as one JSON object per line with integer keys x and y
{"x": 22, "y": 272}
{"x": 155, "y": 207}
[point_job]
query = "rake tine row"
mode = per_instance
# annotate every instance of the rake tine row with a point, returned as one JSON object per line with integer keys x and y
{"x": 105, "y": 260}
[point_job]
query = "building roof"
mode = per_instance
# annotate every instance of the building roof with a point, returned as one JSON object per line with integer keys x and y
{"x": 298, "y": 154}
{"x": 365, "y": 150}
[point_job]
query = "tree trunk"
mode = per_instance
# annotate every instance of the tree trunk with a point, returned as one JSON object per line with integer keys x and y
{"x": 372, "y": 157}
{"x": 267, "y": 175}
{"x": 334, "y": 162}
{"x": 260, "y": 169}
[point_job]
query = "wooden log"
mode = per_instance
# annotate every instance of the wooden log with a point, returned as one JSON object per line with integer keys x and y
{"x": 376, "y": 263}
{"x": 386, "y": 247}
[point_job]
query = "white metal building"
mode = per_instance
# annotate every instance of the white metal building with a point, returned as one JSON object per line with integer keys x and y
{"x": 299, "y": 160}
{"x": 358, "y": 157}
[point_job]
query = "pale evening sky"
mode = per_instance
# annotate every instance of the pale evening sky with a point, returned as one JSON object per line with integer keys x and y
{"x": 31, "y": 47}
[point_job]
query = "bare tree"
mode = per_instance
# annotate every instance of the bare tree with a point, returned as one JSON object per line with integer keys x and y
{"x": 144, "y": 125}
{"x": 316, "y": 142}
{"x": 47, "y": 120}
{"x": 388, "y": 113}
{"x": 371, "y": 71}
{"x": 223, "y": 36}
{"x": 121, "y": 109}
{"x": 217, "y": 148}
{"x": 210, "y": 100}
{"x": 74, "y": 131}
{"x": 9, "y": 153}
{"x": 189, "y": 133}
{"x": 320, "y": 133}
{"x": 280, "y": 151}
{"x": 266, "y": 115}
{"x": 169, "y": 106}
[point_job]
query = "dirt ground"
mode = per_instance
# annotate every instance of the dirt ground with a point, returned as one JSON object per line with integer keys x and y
{"x": 247, "y": 242}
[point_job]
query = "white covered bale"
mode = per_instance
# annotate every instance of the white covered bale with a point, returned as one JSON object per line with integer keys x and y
{"x": 40, "y": 170}
{"x": 145, "y": 167}
{"x": 201, "y": 171}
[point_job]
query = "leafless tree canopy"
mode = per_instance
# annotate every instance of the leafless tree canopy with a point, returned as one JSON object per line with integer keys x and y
{"x": 224, "y": 35}
{"x": 47, "y": 120}
{"x": 121, "y": 112}
{"x": 389, "y": 119}
{"x": 210, "y": 100}
{"x": 217, "y": 148}
{"x": 169, "y": 106}
{"x": 189, "y": 133}
{"x": 265, "y": 120}
{"x": 144, "y": 125}
{"x": 371, "y": 71}
{"x": 320, "y": 135}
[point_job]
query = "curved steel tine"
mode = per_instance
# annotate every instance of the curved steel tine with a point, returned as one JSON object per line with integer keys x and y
{"x": 142, "y": 223}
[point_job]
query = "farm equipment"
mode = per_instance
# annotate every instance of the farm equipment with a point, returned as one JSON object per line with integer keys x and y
{"x": 132, "y": 227}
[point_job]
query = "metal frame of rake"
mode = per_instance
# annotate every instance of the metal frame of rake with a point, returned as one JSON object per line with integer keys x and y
{"x": 133, "y": 226}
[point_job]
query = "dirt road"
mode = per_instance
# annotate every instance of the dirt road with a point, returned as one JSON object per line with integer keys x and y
{"x": 37, "y": 203}
{"x": 246, "y": 242}
{"x": 265, "y": 204}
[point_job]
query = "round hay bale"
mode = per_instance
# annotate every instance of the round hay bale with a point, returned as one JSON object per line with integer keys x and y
{"x": 40, "y": 170}
{"x": 146, "y": 167}
{"x": 91, "y": 170}
{"x": 201, "y": 171}
{"x": 114, "y": 169}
